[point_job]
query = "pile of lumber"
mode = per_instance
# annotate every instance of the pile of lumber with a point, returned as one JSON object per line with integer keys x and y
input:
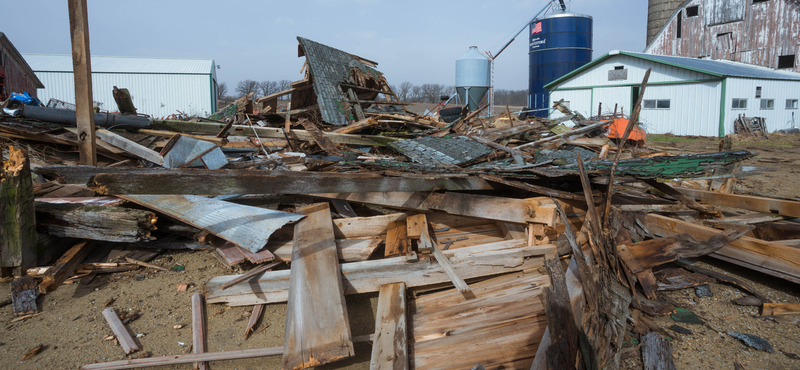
{"x": 509, "y": 243}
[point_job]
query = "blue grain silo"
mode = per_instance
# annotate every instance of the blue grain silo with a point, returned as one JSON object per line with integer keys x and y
{"x": 559, "y": 44}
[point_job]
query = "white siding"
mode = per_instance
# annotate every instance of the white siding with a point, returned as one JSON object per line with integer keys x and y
{"x": 157, "y": 95}
{"x": 777, "y": 118}
{"x": 598, "y": 75}
{"x": 694, "y": 109}
{"x": 610, "y": 96}
{"x": 579, "y": 101}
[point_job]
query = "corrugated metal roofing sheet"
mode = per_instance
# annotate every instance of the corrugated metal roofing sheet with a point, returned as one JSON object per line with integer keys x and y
{"x": 108, "y": 64}
{"x": 720, "y": 67}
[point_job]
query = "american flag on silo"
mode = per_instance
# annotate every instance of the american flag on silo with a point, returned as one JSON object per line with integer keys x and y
{"x": 537, "y": 28}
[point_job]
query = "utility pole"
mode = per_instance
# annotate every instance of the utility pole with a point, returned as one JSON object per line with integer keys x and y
{"x": 82, "y": 70}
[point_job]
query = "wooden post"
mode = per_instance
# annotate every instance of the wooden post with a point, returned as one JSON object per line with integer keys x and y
{"x": 82, "y": 70}
{"x": 17, "y": 218}
{"x": 390, "y": 348}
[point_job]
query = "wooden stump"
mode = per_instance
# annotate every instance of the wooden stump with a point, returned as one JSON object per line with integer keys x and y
{"x": 17, "y": 219}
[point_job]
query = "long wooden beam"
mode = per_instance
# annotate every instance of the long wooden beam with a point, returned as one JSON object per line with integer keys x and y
{"x": 260, "y": 182}
{"x": 760, "y": 255}
{"x": 390, "y": 347}
{"x": 271, "y": 132}
{"x": 749, "y": 202}
{"x": 521, "y": 211}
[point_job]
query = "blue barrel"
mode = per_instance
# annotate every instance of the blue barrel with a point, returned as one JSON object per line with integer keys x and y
{"x": 559, "y": 44}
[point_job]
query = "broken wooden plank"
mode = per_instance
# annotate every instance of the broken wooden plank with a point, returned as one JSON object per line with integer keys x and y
{"x": 65, "y": 266}
{"x": 563, "y": 349}
{"x": 760, "y": 255}
{"x": 533, "y": 188}
{"x": 316, "y": 292}
{"x": 120, "y": 331}
{"x": 320, "y": 137}
{"x": 130, "y": 147}
{"x": 368, "y": 276}
{"x": 254, "y": 316}
{"x": 17, "y": 218}
{"x": 749, "y": 202}
{"x": 749, "y": 219}
{"x": 668, "y": 190}
{"x": 414, "y": 225}
{"x": 780, "y": 308}
{"x": 521, "y": 211}
{"x": 200, "y": 182}
{"x": 107, "y": 223}
{"x": 396, "y": 239}
{"x": 199, "y": 329}
{"x": 185, "y": 359}
{"x": 390, "y": 346}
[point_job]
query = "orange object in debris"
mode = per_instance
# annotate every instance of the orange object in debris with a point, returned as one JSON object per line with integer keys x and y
{"x": 616, "y": 130}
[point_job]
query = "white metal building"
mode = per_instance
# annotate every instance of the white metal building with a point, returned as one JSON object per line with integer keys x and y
{"x": 684, "y": 96}
{"x": 159, "y": 86}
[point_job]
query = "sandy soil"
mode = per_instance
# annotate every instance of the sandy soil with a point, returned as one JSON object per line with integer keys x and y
{"x": 71, "y": 327}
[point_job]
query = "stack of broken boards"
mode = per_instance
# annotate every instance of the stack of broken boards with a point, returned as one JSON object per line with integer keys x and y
{"x": 497, "y": 320}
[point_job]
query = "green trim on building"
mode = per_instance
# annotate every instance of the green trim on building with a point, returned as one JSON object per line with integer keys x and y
{"x": 591, "y": 100}
{"x": 671, "y": 64}
{"x": 722, "y": 108}
{"x": 683, "y": 82}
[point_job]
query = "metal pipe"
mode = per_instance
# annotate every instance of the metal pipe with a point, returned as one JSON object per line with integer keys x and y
{"x": 67, "y": 117}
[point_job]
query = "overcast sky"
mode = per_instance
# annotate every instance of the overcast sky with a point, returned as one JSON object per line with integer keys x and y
{"x": 416, "y": 41}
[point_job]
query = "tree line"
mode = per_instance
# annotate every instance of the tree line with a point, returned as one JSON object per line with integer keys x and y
{"x": 406, "y": 92}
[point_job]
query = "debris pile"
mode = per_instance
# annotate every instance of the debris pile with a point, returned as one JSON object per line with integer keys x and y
{"x": 346, "y": 192}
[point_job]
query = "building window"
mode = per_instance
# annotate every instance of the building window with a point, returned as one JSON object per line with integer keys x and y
{"x": 786, "y": 61}
{"x": 739, "y": 104}
{"x": 758, "y": 92}
{"x": 619, "y": 68}
{"x": 680, "y": 24}
{"x": 791, "y": 103}
{"x": 656, "y": 104}
{"x": 692, "y": 11}
{"x": 767, "y": 103}
{"x": 759, "y": 1}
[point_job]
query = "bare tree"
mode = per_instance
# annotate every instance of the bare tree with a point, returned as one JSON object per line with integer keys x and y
{"x": 284, "y": 85}
{"x": 431, "y": 92}
{"x": 267, "y": 87}
{"x": 416, "y": 93}
{"x": 247, "y": 86}
{"x": 222, "y": 90}
{"x": 404, "y": 91}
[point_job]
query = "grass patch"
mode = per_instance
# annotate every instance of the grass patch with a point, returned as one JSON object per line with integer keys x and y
{"x": 678, "y": 139}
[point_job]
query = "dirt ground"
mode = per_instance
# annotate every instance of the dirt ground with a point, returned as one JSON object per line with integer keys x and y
{"x": 71, "y": 327}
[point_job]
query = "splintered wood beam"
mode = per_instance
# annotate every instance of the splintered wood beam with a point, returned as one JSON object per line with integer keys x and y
{"x": 185, "y": 359}
{"x": 258, "y": 182}
{"x": 18, "y": 235}
{"x": 415, "y": 224}
{"x": 563, "y": 350}
{"x": 759, "y": 204}
{"x": 657, "y": 352}
{"x": 317, "y": 325}
{"x": 254, "y": 316}
{"x": 199, "y": 329}
{"x": 120, "y": 331}
{"x": 65, "y": 266}
{"x": 82, "y": 71}
{"x": 768, "y": 257}
{"x": 689, "y": 202}
{"x": 390, "y": 346}
{"x": 250, "y": 274}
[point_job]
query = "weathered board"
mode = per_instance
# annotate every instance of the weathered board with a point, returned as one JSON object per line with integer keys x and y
{"x": 390, "y": 346}
{"x": 500, "y": 327}
{"x": 317, "y": 326}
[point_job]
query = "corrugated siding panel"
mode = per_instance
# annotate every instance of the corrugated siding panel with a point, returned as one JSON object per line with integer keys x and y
{"x": 611, "y": 96}
{"x": 110, "y": 64}
{"x": 694, "y": 109}
{"x": 777, "y": 118}
{"x": 598, "y": 75}
{"x": 158, "y": 95}
{"x": 579, "y": 101}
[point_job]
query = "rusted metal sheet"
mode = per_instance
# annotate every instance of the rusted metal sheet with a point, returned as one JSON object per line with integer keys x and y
{"x": 247, "y": 227}
{"x": 87, "y": 201}
{"x": 740, "y": 31}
